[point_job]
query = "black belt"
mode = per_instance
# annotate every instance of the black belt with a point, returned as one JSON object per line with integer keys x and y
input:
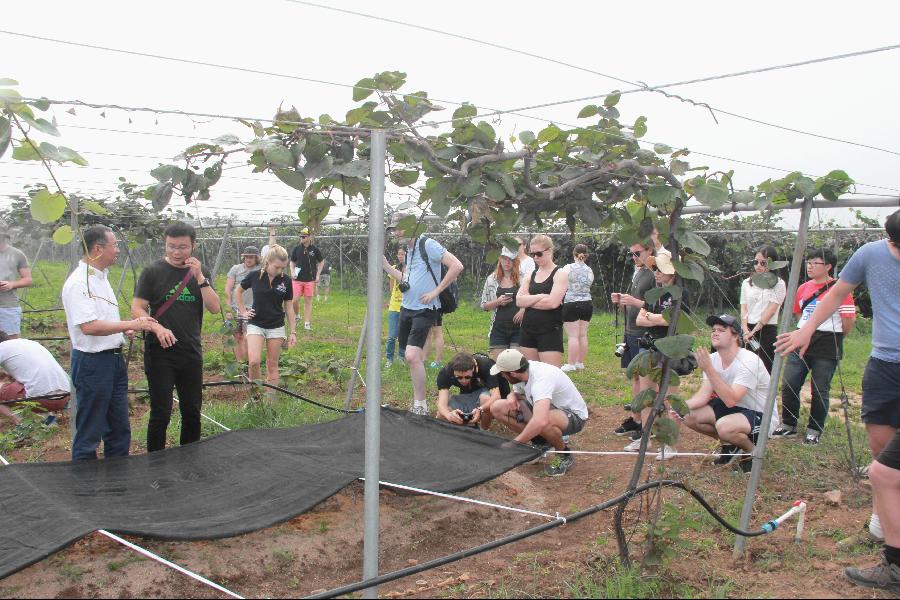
{"x": 117, "y": 350}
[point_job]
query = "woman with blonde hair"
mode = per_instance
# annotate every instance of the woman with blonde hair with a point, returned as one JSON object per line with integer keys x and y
{"x": 499, "y": 297}
{"x": 541, "y": 295}
{"x": 578, "y": 307}
{"x": 272, "y": 296}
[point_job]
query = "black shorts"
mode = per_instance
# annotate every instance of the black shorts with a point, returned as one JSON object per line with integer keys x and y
{"x": 890, "y": 456}
{"x": 753, "y": 417}
{"x": 504, "y": 336}
{"x": 415, "y": 325}
{"x": 881, "y": 393}
{"x": 549, "y": 341}
{"x": 577, "y": 311}
{"x": 632, "y": 349}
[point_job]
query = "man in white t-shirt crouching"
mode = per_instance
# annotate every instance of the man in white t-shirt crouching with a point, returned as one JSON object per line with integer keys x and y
{"x": 544, "y": 402}
{"x": 730, "y": 402}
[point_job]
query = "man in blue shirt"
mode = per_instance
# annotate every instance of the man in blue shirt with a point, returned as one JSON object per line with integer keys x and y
{"x": 421, "y": 305}
{"x": 877, "y": 264}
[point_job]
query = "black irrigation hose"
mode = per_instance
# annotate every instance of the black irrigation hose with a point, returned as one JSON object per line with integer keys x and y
{"x": 268, "y": 385}
{"x": 48, "y": 339}
{"x": 41, "y": 310}
{"x": 56, "y": 396}
{"x": 388, "y": 577}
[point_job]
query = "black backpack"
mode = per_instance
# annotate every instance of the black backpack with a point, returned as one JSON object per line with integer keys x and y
{"x": 450, "y": 296}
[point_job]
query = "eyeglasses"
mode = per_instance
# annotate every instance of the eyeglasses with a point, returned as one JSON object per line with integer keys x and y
{"x": 539, "y": 253}
{"x": 813, "y": 263}
{"x": 762, "y": 263}
{"x": 177, "y": 248}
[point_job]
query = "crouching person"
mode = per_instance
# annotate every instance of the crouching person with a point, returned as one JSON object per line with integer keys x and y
{"x": 730, "y": 402}
{"x": 544, "y": 402}
{"x": 478, "y": 390}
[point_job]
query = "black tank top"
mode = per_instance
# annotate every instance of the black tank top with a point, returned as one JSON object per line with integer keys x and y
{"x": 538, "y": 320}
{"x": 504, "y": 315}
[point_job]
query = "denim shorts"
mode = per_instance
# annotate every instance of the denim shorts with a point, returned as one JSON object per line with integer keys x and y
{"x": 881, "y": 393}
{"x": 504, "y": 336}
{"x": 269, "y": 334}
{"x": 11, "y": 319}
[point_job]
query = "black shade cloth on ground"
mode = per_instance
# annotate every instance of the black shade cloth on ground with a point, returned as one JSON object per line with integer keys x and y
{"x": 233, "y": 483}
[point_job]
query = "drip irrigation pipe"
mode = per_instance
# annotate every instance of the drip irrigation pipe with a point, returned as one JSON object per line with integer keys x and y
{"x": 56, "y": 396}
{"x": 769, "y": 527}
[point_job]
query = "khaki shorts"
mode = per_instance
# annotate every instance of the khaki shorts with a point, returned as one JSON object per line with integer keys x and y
{"x": 269, "y": 334}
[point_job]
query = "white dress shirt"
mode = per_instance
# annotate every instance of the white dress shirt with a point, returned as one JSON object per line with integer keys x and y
{"x": 87, "y": 296}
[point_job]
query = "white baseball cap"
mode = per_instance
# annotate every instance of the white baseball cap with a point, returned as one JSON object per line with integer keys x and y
{"x": 509, "y": 360}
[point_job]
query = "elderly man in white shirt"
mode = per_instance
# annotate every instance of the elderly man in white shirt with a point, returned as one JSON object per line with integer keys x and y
{"x": 98, "y": 367}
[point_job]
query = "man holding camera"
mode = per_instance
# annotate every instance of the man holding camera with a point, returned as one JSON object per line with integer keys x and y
{"x": 544, "y": 402}
{"x": 478, "y": 390}
{"x": 421, "y": 304}
{"x": 642, "y": 282}
{"x": 730, "y": 402}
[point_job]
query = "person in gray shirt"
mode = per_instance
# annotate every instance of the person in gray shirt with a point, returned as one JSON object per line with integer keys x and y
{"x": 236, "y": 274}
{"x": 14, "y": 273}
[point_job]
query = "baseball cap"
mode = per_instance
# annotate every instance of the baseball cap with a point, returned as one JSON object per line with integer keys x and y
{"x": 726, "y": 321}
{"x": 304, "y": 231}
{"x": 509, "y": 360}
{"x": 663, "y": 261}
{"x": 250, "y": 251}
{"x": 396, "y": 218}
{"x": 510, "y": 254}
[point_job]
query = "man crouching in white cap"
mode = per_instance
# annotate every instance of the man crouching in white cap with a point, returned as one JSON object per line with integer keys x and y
{"x": 544, "y": 402}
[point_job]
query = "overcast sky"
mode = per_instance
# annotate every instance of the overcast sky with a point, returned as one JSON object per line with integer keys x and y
{"x": 854, "y": 99}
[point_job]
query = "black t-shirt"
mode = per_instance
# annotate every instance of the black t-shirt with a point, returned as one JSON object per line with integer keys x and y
{"x": 184, "y": 317}
{"x": 481, "y": 378}
{"x": 268, "y": 298}
{"x": 307, "y": 260}
{"x": 665, "y": 302}
{"x": 505, "y": 313}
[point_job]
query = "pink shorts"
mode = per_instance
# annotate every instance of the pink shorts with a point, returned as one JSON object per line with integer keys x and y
{"x": 304, "y": 288}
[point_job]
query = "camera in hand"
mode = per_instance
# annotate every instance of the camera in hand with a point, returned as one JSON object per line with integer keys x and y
{"x": 753, "y": 345}
{"x": 466, "y": 416}
{"x": 620, "y": 349}
{"x": 404, "y": 286}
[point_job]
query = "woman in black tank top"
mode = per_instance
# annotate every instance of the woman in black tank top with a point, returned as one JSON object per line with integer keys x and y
{"x": 541, "y": 295}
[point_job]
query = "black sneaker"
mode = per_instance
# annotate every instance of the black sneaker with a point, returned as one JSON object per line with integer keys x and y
{"x": 560, "y": 464}
{"x": 812, "y": 438}
{"x": 784, "y": 432}
{"x": 627, "y": 426}
{"x": 637, "y": 434}
{"x": 885, "y": 576}
{"x": 745, "y": 464}
{"x": 727, "y": 451}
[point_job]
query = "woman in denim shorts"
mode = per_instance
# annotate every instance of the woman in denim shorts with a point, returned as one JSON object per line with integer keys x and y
{"x": 272, "y": 296}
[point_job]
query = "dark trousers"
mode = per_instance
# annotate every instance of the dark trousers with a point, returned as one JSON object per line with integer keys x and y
{"x": 795, "y": 371}
{"x": 766, "y": 338}
{"x": 169, "y": 370}
{"x": 101, "y": 409}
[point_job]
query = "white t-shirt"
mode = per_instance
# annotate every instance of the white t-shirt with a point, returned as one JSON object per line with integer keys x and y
{"x": 758, "y": 299}
{"x": 548, "y": 381}
{"x": 526, "y": 267}
{"x": 33, "y": 366}
{"x": 87, "y": 296}
{"x": 747, "y": 370}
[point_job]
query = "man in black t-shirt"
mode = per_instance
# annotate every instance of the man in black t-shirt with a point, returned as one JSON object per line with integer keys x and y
{"x": 478, "y": 389}
{"x": 174, "y": 291}
{"x": 306, "y": 268}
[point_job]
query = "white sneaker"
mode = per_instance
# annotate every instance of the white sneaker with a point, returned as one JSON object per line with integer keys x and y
{"x": 635, "y": 446}
{"x": 579, "y": 366}
{"x": 307, "y": 326}
{"x": 567, "y": 368}
{"x": 419, "y": 409}
{"x": 666, "y": 452}
{"x": 875, "y": 530}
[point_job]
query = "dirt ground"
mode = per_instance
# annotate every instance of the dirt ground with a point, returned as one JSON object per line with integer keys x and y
{"x": 323, "y": 548}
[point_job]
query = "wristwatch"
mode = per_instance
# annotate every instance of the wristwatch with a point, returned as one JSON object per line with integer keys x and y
{"x": 205, "y": 283}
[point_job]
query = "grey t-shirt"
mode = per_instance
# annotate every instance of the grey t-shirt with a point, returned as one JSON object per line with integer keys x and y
{"x": 874, "y": 265}
{"x": 641, "y": 283}
{"x": 239, "y": 272}
{"x": 11, "y": 260}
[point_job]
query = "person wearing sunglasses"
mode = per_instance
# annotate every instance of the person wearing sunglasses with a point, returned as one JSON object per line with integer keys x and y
{"x": 759, "y": 307}
{"x": 876, "y": 264}
{"x": 541, "y": 295}
{"x": 821, "y": 357}
{"x": 478, "y": 390}
{"x": 306, "y": 267}
{"x": 642, "y": 281}
{"x": 499, "y": 297}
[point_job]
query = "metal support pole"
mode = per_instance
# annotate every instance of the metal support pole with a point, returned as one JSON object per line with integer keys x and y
{"x": 797, "y": 263}
{"x": 351, "y": 387}
{"x": 341, "y": 259}
{"x": 218, "y": 264}
{"x": 373, "y": 361}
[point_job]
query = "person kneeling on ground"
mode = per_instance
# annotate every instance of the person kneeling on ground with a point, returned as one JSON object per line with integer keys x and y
{"x": 730, "y": 402}
{"x": 478, "y": 390}
{"x": 544, "y": 402}
{"x": 34, "y": 373}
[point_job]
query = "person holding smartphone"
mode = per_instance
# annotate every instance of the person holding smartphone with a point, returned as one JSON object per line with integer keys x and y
{"x": 499, "y": 297}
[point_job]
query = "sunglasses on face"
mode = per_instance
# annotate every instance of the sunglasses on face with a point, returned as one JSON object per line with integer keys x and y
{"x": 464, "y": 377}
{"x": 762, "y": 263}
{"x": 637, "y": 254}
{"x": 539, "y": 253}
{"x": 303, "y": 237}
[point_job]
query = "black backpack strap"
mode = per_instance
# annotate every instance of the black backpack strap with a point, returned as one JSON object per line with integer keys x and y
{"x": 425, "y": 257}
{"x": 818, "y": 293}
